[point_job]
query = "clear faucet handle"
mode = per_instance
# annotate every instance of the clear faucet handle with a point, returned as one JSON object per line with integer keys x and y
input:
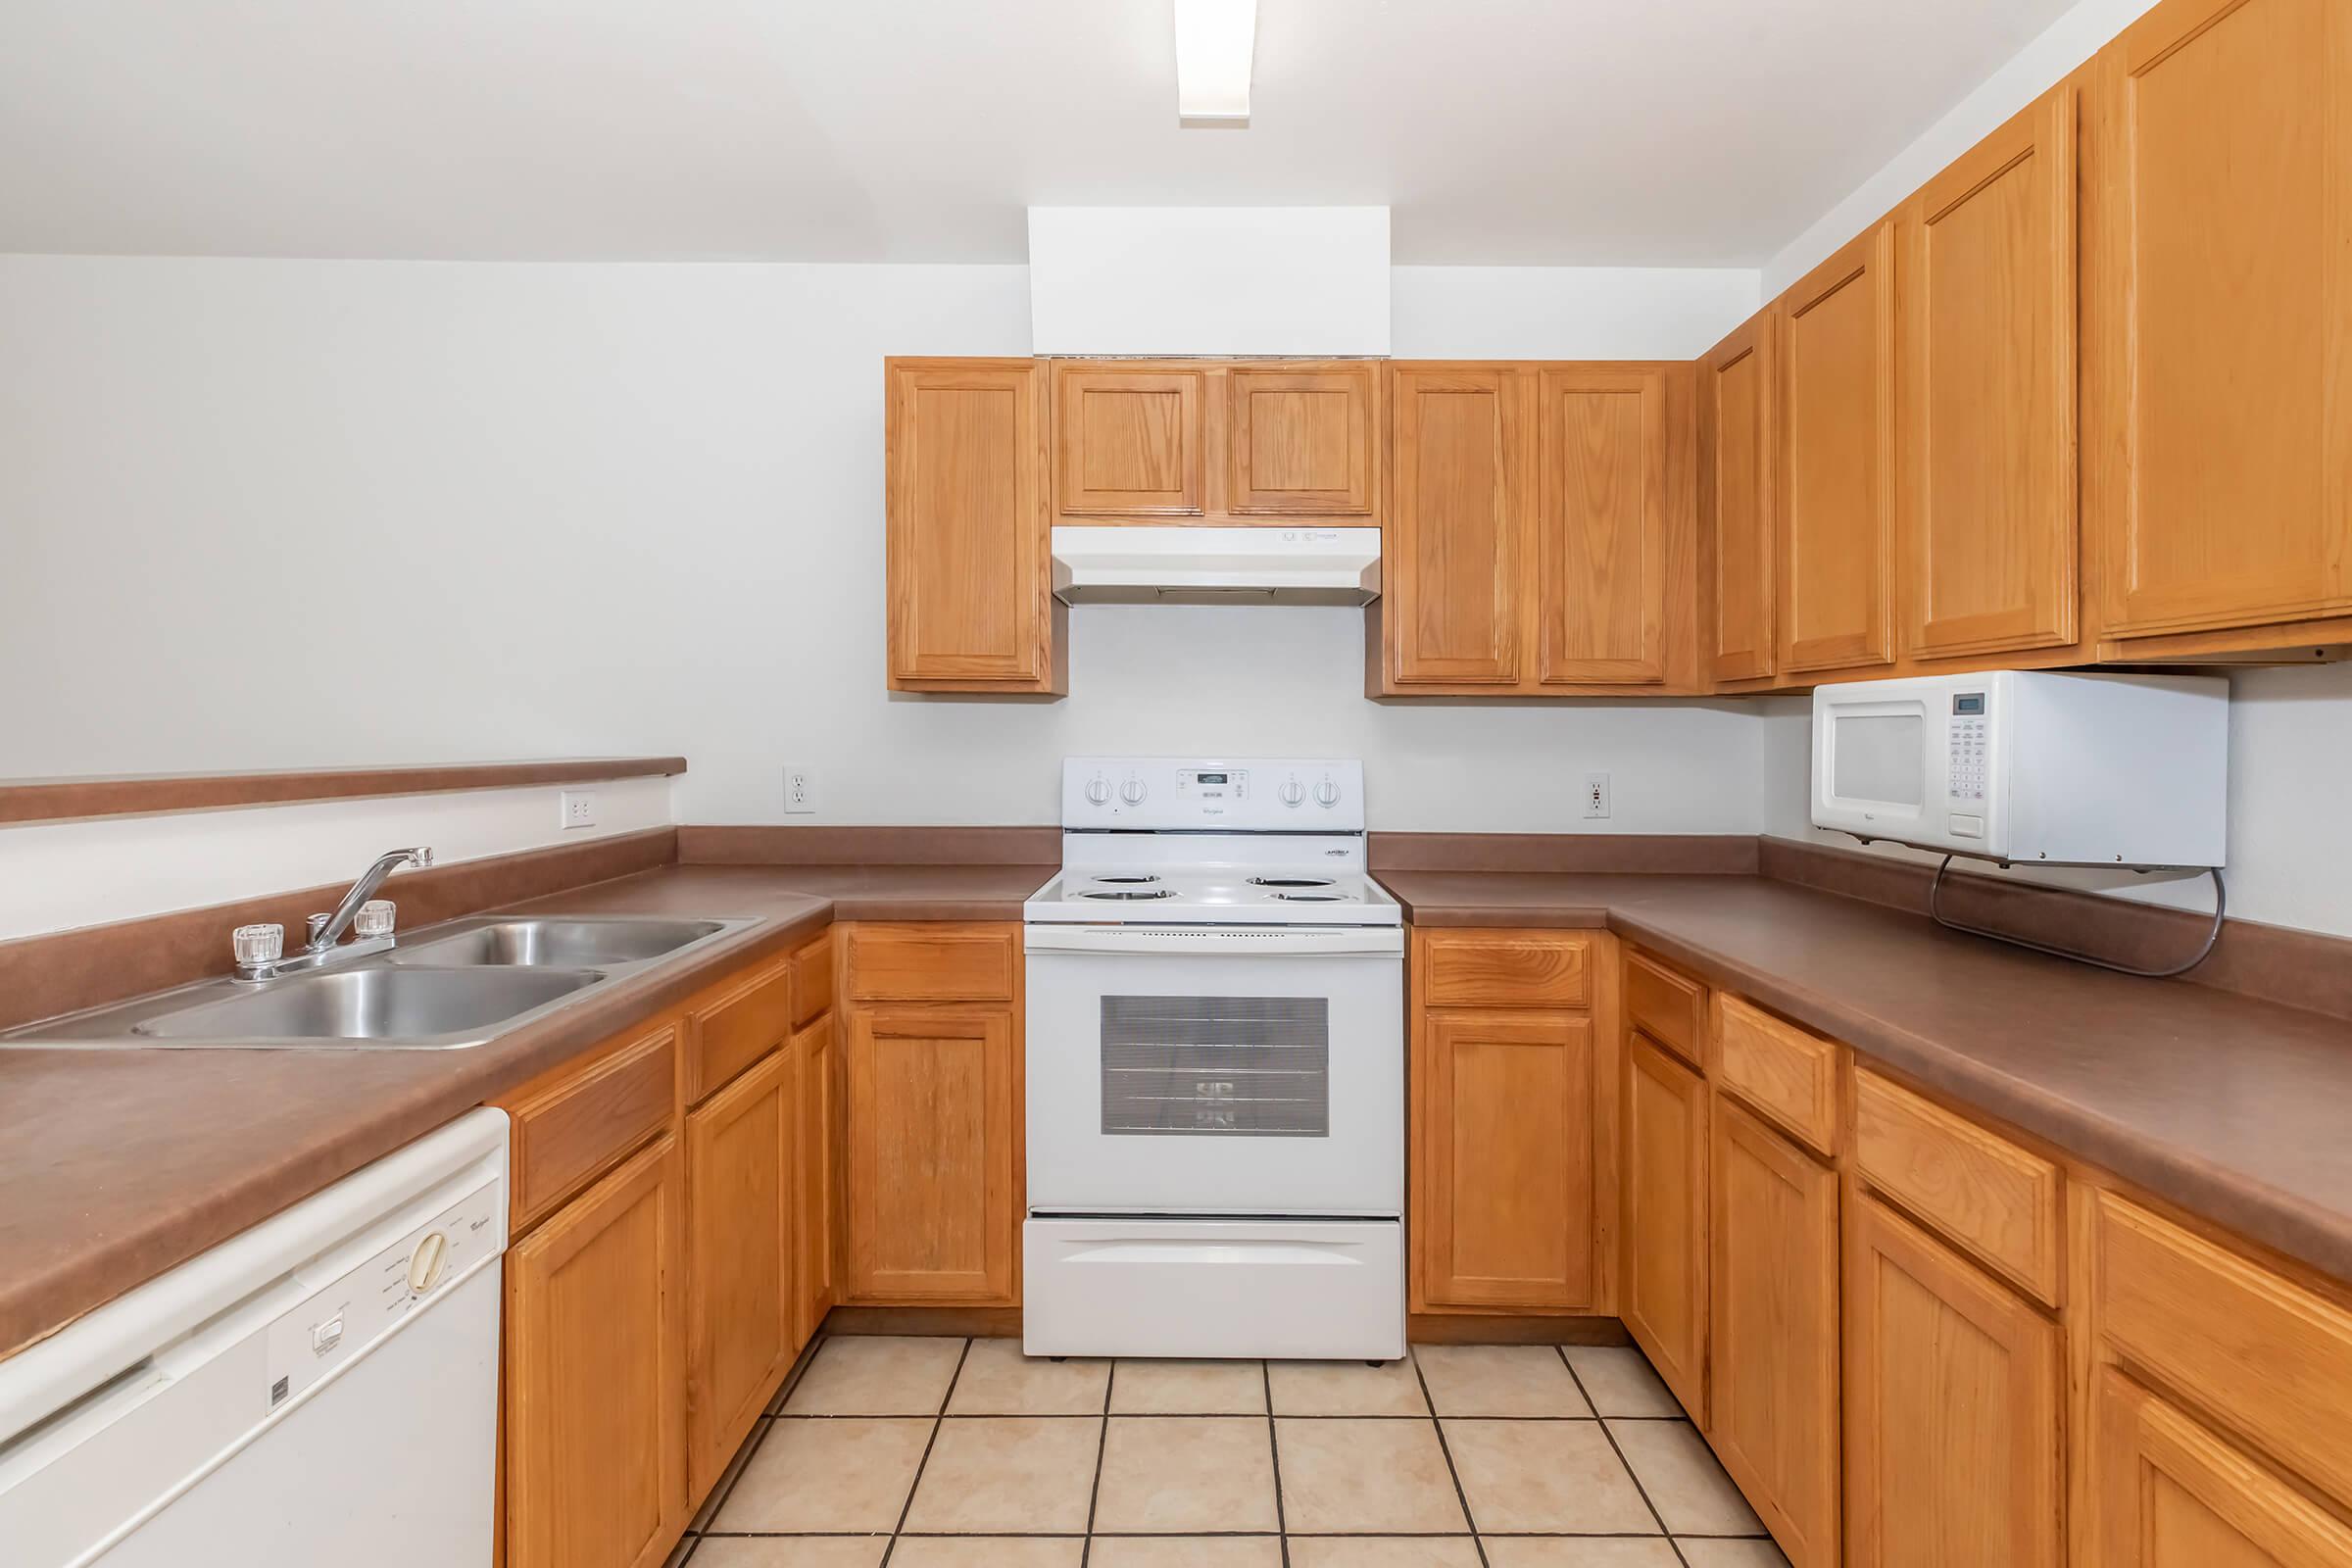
{"x": 375, "y": 918}
{"x": 258, "y": 943}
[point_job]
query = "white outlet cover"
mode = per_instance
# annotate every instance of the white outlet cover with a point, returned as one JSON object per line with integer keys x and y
{"x": 799, "y": 790}
{"x": 576, "y": 808}
{"x": 1596, "y": 795}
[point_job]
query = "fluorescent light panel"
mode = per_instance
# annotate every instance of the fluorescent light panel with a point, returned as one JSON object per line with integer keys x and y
{"x": 1215, "y": 43}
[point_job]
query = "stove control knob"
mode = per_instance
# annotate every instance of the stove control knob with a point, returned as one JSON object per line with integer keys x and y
{"x": 1133, "y": 791}
{"x": 1098, "y": 789}
{"x": 1327, "y": 793}
{"x": 1292, "y": 791}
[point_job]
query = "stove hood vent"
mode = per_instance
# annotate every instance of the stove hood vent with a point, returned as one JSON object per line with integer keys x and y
{"x": 1178, "y": 566}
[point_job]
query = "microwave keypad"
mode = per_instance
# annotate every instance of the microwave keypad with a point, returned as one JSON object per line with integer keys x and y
{"x": 1968, "y": 758}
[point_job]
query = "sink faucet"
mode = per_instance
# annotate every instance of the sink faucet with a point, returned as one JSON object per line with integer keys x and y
{"x": 259, "y": 948}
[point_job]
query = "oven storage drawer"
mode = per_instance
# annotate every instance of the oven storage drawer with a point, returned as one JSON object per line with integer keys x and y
{"x": 1329, "y": 1290}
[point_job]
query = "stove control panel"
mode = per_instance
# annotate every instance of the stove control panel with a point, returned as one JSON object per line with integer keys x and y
{"x": 1258, "y": 795}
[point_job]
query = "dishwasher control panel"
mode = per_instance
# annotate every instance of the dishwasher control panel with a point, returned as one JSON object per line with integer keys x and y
{"x": 349, "y": 1304}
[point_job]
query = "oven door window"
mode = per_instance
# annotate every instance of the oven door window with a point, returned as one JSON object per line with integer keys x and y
{"x": 1216, "y": 1066}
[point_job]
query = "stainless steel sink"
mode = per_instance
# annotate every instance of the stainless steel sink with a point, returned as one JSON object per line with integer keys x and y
{"x": 376, "y": 1004}
{"x": 443, "y": 988}
{"x": 554, "y": 942}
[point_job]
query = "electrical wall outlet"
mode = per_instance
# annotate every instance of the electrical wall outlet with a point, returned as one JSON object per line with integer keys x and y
{"x": 799, "y": 790}
{"x": 578, "y": 808}
{"x": 1596, "y": 794}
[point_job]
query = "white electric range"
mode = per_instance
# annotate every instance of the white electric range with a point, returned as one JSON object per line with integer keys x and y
{"x": 1215, "y": 1069}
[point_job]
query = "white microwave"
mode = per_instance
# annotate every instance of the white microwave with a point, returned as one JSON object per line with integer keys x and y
{"x": 2029, "y": 765}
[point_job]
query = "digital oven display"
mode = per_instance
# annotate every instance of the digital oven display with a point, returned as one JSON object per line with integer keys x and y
{"x": 1210, "y": 778}
{"x": 1968, "y": 702}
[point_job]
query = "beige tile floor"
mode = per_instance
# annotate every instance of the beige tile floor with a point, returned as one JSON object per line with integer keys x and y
{"x": 956, "y": 1453}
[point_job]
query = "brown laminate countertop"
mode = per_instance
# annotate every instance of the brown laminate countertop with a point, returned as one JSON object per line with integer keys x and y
{"x": 2232, "y": 1108}
{"x": 117, "y": 1165}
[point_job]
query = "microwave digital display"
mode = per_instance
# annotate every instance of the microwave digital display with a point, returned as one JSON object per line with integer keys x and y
{"x": 1968, "y": 702}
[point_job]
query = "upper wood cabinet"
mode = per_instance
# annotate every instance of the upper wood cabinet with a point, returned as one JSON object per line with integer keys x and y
{"x": 1600, "y": 533}
{"x": 1739, "y": 470}
{"x": 1216, "y": 441}
{"x": 1953, "y": 1449}
{"x": 1987, "y": 393}
{"x": 2218, "y": 375}
{"x": 1838, "y": 440}
{"x": 1129, "y": 442}
{"x": 1454, "y": 598}
{"x": 1303, "y": 442}
{"x": 969, "y": 575}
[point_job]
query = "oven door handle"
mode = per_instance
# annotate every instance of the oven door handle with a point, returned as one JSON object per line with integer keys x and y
{"x": 1224, "y": 941}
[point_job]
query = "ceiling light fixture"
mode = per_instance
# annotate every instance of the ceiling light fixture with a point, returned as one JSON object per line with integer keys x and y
{"x": 1215, "y": 43}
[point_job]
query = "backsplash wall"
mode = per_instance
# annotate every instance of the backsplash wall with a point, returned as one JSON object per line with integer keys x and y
{"x": 441, "y": 512}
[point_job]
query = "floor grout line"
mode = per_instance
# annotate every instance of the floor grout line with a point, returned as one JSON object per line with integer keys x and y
{"x": 1477, "y": 1542}
{"x": 1639, "y": 1490}
{"x": 1093, "y": 1496}
{"x": 1281, "y": 1523}
{"x": 917, "y": 1485}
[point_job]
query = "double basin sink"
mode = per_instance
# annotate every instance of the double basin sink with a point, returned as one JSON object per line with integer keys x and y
{"x": 450, "y": 985}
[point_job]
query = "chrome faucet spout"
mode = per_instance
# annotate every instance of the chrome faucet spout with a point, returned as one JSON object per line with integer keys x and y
{"x": 326, "y": 930}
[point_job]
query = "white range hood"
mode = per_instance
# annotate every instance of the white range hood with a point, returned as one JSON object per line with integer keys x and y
{"x": 1162, "y": 565}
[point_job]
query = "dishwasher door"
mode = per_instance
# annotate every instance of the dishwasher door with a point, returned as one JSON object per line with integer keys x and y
{"x": 338, "y": 1407}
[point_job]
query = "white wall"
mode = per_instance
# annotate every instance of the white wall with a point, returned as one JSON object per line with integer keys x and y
{"x": 65, "y": 874}
{"x": 277, "y": 514}
{"x": 1567, "y": 312}
{"x": 2290, "y": 838}
{"x": 2033, "y": 70}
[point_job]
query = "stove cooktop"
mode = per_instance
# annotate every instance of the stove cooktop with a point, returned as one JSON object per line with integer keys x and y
{"x": 1201, "y": 894}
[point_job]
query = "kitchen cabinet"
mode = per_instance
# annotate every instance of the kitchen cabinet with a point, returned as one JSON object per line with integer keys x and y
{"x": 1739, "y": 477}
{"x": 1771, "y": 1369}
{"x": 1303, "y": 441}
{"x": 815, "y": 1067}
{"x": 1952, "y": 1387}
{"x": 933, "y": 1155}
{"x": 968, "y": 576}
{"x": 2217, "y": 258}
{"x": 1600, "y": 529}
{"x": 1129, "y": 441}
{"x": 1837, "y": 446}
{"x": 1454, "y": 595}
{"x": 1505, "y": 1216}
{"x": 1987, "y": 355}
{"x": 1663, "y": 1277}
{"x": 594, "y": 1392}
{"x": 742, "y": 1311}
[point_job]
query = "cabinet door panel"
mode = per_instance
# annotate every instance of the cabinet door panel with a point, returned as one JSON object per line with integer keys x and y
{"x": 817, "y": 1092}
{"x": 1303, "y": 441}
{"x": 1989, "y": 392}
{"x": 970, "y": 594}
{"x": 1505, "y": 1160}
{"x": 1665, "y": 1199}
{"x": 1771, "y": 1327}
{"x": 1129, "y": 441}
{"x": 740, "y": 1250}
{"x": 1600, "y": 526}
{"x": 2223, "y": 349}
{"x": 1837, "y": 423}
{"x": 1453, "y": 551}
{"x": 1951, "y": 1408}
{"x": 596, "y": 1392}
{"x": 934, "y": 1188}
{"x": 2168, "y": 1493}
{"x": 1739, "y": 499}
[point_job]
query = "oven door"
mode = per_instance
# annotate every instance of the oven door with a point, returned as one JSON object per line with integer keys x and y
{"x": 1205, "y": 1070}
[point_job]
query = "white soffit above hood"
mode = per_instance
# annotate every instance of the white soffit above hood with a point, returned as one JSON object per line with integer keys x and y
{"x": 1109, "y": 565}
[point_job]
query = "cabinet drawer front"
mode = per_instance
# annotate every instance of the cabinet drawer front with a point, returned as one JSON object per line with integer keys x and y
{"x": 1779, "y": 1070}
{"x": 2232, "y": 1336}
{"x": 737, "y": 1029}
{"x": 931, "y": 963}
{"x": 574, "y": 1130}
{"x": 1503, "y": 969}
{"x": 1982, "y": 1191}
{"x": 1665, "y": 1005}
{"x": 812, "y": 981}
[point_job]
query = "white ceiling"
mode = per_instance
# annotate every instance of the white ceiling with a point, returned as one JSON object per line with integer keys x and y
{"x": 1638, "y": 132}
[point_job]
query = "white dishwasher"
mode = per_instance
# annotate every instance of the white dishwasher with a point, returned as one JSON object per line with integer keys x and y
{"x": 322, "y": 1389}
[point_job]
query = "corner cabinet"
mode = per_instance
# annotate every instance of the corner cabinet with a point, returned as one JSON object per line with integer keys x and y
{"x": 971, "y": 602}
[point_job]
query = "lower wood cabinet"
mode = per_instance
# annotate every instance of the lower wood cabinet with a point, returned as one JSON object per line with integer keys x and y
{"x": 933, "y": 1164}
{"x": 1953, "y": 1450}
{"x": 596, "y": 1394}
{"x": 1771, "y": 1387}
{"x": 815, "y": 1067}
{"x": 1662, "y": 1280}
{"x": 1503, "y": 1206}
{"x": 2167, "y": 1493}
{"x": 742, "y": 1309}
